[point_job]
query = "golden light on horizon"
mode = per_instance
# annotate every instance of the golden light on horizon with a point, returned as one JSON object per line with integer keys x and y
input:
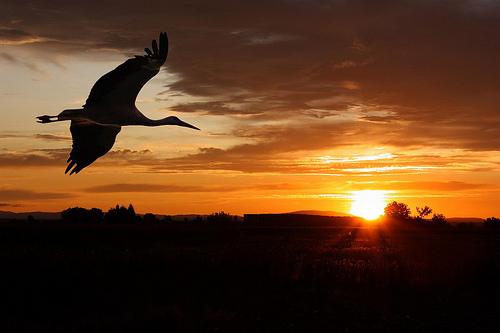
{"x": 368, "y": 204}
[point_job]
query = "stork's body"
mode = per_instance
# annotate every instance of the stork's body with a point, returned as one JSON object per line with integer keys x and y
{"x": 110, "y": 105}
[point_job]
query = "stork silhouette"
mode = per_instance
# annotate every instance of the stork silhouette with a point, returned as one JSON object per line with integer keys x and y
{"x": 111, "y": 105}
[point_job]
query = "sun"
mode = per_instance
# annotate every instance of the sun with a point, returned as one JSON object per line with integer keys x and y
{"x": 368, "y": 204}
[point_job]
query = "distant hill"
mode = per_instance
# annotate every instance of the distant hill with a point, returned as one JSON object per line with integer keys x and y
{"x": 24, "y": 215}
{"x": 465, "y": 219}
{"x": 320, "y": 213}
{"x": 181, "y": 217}
{"x": 299, "y": 220}
{"x": 333, "y": 213}
{"x": 57, "y": 215}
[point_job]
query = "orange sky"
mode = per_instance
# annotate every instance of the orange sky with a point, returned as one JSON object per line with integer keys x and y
{"x": 300, "y": 104}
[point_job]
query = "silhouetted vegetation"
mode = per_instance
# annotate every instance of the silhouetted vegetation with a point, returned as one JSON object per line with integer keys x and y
{"x": 219, "y": 217}
{"x": 31, "y": 219}
{"x": 120, "y": 214}
{"x": 492, "y": 222}
{"x": 82, "y": 215}
{"x": 149, "y": 218}
{"x": 167, "y": 219}
{"x": 192, "y": 277}
{"x": 127, "y": 215}
{"x": 298, "y": 220}
{"x": 397, "y": 210}
{"x": 439, "y": 219}
{"x": 422, "y": 212}
{"x": 401, "y": 212}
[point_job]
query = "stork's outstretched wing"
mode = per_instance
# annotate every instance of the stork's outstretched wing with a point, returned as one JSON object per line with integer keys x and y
{"x": 90, "y": 141}
{"x": 121, "y": 86}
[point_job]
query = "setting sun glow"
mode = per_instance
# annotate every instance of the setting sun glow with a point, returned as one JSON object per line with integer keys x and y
{"x": 368, "y": 204}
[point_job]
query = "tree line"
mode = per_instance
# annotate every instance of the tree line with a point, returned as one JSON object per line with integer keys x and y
{"x": 396, "y": 211}
{"x": 401, "y": 212}
{"x": 127, "y": 215}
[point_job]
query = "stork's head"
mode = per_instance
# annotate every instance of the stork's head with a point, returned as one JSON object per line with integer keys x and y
{"x": 177, "y": 122}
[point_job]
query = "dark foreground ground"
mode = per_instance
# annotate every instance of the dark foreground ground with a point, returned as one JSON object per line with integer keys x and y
{"x": 76, "y": 278}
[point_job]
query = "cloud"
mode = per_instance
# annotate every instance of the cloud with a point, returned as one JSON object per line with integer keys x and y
{"x": 282, "y": 149}
{"x": 27, "y": 159}
{"x": 443, "y": 186}
{"x": 436, "y": 72}
{"x": 48, "y": 137}
{"x": 58, "y": 156}
{"x": 9, "y": 36}
{"x": 11, "y": 136}
{"x": 182, "y": 188}
{"x": 19, "y": 61}
{"x": 263, "y": 38}
{"x": 171, "y": 188}
{"x": 424, "y": 186}
{"x": 52, "y": 137}
{"x": 7, "y": 57}
{"x": 20, "y": 195}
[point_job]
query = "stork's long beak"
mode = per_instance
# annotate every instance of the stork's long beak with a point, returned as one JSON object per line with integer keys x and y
{"x": 184, "y": 124}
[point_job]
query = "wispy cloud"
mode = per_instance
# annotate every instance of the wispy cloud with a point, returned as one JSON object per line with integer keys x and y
{"x": 13, "y": 194}
{"x": 12, "y": 36}
{"x": 20, "y": 61}
{"x": 274, "y": 68}
{"x": 131, "y": 187}
{"x": 182, "y": 188}
{"x": 52, "y": 137}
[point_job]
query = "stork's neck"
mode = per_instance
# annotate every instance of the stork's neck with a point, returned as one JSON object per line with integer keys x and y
{"x": 159, "y": 122}
{"x": 165, "y": 121}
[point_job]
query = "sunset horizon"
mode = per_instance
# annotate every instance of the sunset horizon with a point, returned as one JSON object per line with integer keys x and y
{"x": 292, "y": 117}
{"x": 250, "y": 166}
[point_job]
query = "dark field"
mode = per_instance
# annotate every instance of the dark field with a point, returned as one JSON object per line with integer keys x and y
{"x": 76, "y": 278}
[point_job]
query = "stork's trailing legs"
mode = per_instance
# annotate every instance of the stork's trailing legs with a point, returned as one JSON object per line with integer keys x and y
{"x": 47, "y": 119}
{"x": 65, "y": 115}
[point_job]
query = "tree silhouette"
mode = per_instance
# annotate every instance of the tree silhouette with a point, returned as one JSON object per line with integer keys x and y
{"x": 149, "y": 218}
{"x": 219, "y": 217}
{"x": 422, "y": 212}
{"x": 95, "y": 215}
{"x": 120, "y": 214}
{"x": 166, "y": 219}
{"x": 492, "y": 222}
{"x": 131, "y": 210}
{"x": 397, "y": 210}
{"x": 439, "y": 219}
{"x": 82, "y": 215}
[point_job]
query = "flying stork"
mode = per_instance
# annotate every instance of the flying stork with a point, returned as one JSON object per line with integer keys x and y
{"x": 111, "y": 105}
